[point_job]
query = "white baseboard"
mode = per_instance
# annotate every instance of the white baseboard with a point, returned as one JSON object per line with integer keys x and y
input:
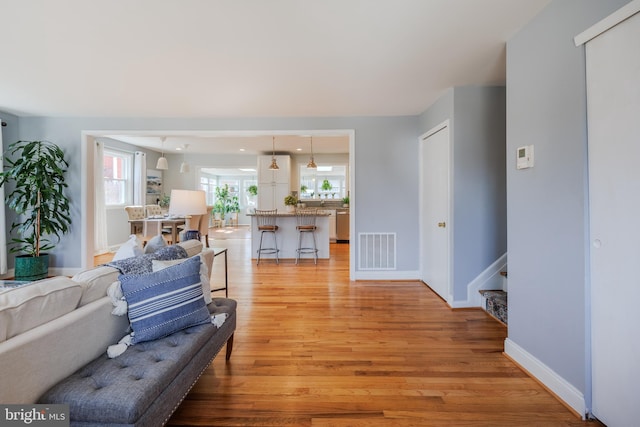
{"x": 490, "y": 278}
{"x": 386, "y": 275}
{"x": 566, "y": 392}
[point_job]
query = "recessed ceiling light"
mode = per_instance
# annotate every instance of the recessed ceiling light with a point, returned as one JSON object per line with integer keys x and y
{"x": 247, "y": 170}
{"x": 242, "y": 149}
{"x": 298, "y": 149}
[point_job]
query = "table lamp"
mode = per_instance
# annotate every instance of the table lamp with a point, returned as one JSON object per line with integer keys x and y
{"x": 187, "y": 202}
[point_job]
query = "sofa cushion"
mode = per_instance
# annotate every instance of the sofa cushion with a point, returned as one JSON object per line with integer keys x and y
{"x": 192, "y": 247}
{"x": 95, "y": 281}
{"x": 34, "y": 304}
{"x": 166, "y": 301}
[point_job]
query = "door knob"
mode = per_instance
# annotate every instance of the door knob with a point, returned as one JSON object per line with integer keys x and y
{"x": 442, "y": 224}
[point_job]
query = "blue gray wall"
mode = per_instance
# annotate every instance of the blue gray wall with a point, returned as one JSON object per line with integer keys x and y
{"x": 547, "y": 205}
{"x": 386, "y": 175}
{"x": 477, "y": 128}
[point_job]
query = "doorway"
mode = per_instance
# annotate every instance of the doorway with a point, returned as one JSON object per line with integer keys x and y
{"x": 88, "y": 192}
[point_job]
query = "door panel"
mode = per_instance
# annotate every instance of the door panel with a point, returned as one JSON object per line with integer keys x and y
{"x": 435, "y": 223}
{"x": 613, "y": 81}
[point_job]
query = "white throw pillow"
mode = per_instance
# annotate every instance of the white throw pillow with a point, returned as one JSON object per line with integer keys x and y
{"x": 154, "y": 244}
{"x": 130, "y": 248}
{"x": 157, "y": 265}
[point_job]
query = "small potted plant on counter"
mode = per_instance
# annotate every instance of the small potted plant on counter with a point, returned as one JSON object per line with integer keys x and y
{"x": 345, "y": 202}
{"x": 290, "y": 202}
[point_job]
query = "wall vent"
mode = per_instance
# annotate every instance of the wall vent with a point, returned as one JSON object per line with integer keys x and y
{"x": 377, "y": 251}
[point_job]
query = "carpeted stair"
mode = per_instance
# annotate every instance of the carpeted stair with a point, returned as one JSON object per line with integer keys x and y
{"x": 495, "y": 304}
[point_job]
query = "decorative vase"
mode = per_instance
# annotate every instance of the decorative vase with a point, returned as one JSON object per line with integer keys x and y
{"x": 31, "y": 267}
{"x": 291, "y": 208}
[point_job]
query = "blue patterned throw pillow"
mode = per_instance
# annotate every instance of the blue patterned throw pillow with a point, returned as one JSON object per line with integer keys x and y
{"x": 165, "y": 301}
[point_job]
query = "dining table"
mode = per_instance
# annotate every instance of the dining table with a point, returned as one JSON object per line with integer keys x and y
{"x": 154, "y": 226}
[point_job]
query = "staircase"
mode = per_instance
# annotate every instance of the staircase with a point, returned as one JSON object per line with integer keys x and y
{"x": 494, "y": 302}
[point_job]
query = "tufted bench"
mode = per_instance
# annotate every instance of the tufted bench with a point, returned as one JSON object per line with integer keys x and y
{"x": 144, "y": 385}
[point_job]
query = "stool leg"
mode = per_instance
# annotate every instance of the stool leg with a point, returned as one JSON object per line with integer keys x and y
{"x": 315, "y": 248}
{"x": 299, "y": 246}
{"x": 260, "y": 247}
{"x": 275, "y": 245}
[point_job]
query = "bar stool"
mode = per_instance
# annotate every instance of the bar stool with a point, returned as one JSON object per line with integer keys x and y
{"x": 266, "y": 220}
{"x": 306, "y": 224}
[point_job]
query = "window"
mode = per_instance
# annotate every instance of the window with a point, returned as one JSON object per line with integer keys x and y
{"x": 238, "y": 182}
{"x": 118, "y": 185}
{"x": 312, "y": 180}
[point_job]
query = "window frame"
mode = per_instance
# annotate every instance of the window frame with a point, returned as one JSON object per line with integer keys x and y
{"x": 127, "y": 180}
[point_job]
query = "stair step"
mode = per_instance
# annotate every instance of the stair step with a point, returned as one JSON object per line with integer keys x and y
{"x": 496, "y": 304}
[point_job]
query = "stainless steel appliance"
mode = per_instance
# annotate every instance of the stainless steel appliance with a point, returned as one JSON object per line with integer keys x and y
{"x": 342, "y": 226}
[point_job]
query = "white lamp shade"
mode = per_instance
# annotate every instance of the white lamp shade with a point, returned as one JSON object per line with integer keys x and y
{"x": 187, "y": 202}
{"x": 162, "y": 163}
{"x": 184, "y": 167}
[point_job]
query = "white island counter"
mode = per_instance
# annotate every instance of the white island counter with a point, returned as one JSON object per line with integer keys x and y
{"x": 287, "y": 237}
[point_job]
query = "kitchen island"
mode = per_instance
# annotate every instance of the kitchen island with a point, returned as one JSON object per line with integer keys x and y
{"x": 287, "y": 237}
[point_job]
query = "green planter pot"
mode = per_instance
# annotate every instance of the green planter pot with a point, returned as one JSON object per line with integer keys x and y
{"x": 31, "y": 268}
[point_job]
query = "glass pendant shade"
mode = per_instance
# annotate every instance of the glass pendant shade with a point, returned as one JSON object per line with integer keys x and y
{"x": 274, "y": 164}
{"x": 311, "y": 164}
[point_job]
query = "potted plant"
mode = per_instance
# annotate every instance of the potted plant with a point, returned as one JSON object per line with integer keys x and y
{"x": 326, "y": 185}
{"x": 225, "y": 203}
{"x": 345, "y": 202}
{"x": 37, "y": 168}
{"x": 253, "y": 190}
{"x": 220, "y": 205}
{"x": 164, "y": 201}
{"x": 290, "y": 202}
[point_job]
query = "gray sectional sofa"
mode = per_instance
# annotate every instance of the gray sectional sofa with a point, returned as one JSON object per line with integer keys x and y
{"x": 54, "y": 336}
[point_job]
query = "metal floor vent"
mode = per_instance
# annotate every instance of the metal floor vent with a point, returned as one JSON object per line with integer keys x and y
{"x": 377, "y": 251}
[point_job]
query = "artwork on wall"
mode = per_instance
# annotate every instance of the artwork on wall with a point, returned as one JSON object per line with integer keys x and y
{"x": 154, "y": 186}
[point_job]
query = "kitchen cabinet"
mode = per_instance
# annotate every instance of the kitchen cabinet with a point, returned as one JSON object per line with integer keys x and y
{"x": 332, "y": 225}
{"x": 273, "y": 185}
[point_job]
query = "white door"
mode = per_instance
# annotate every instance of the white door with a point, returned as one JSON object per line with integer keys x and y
{"x": 435, "y": 224}
{"x": 613, "y": 82}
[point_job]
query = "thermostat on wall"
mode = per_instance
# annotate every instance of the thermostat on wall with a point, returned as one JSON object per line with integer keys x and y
{"x": 524, "y": 157}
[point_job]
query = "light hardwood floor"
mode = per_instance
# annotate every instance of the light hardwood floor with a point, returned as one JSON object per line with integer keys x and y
{"x": 313, "y": 349}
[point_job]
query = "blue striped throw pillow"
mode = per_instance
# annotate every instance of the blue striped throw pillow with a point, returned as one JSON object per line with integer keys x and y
{"x": 165, "y": 301}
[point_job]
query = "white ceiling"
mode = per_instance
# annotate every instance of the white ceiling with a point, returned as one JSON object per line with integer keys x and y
{"x": 248, "y": 58}
{"x": 240, "y": 143}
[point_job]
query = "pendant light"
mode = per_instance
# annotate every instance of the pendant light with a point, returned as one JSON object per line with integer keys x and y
{"x": 162, "y": 161}
{"x": 184, "y": 167}
{"x": 312, "y": 164}
{"x": 274, "y": 164}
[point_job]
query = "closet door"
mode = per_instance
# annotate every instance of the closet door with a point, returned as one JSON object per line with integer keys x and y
{"x": 613, "y": 91}
{"x": 435, "y": 221}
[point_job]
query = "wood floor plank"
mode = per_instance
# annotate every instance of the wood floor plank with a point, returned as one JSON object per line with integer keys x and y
{"x": 314, "y": 349}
